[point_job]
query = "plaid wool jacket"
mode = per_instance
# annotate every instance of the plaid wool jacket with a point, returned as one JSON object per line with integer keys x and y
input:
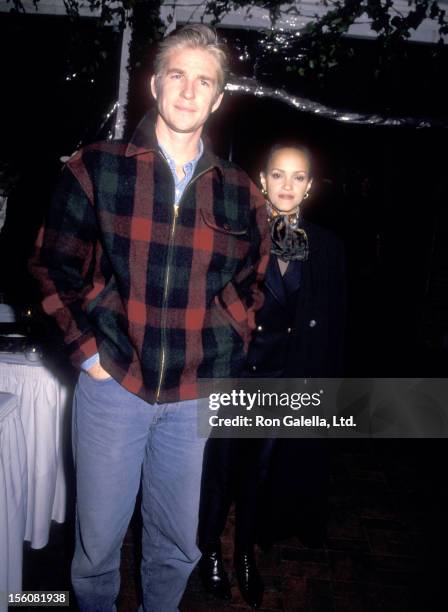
{"x": 165, "y": 294}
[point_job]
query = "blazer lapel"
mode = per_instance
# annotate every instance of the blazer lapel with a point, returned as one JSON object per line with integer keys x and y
{"x": 273, "y": 280}
{"x": 292, "y": 277}
{"x": 309, "y": 270}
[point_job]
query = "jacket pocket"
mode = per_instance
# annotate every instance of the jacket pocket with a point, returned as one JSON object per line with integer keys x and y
{"x": 223, "y": 225}
{"x": 222, "y": 244}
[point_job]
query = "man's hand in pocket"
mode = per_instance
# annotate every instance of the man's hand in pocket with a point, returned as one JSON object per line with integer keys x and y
{"x": 97, "y": 372}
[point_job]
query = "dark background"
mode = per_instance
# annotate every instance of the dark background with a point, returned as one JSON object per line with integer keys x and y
{"x": 49, "y": 104}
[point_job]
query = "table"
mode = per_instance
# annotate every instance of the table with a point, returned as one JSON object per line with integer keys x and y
{"x": 13, "y": 492}
{"x": 44, "y": 410}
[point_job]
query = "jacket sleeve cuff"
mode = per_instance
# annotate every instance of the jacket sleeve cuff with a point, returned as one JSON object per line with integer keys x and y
{"x": 84, "y": 351}
{"x": 88, "y": 363}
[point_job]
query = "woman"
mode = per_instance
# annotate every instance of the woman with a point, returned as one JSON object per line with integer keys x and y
{"x": 299, "y": 333}
{"x": 304, "y": 285}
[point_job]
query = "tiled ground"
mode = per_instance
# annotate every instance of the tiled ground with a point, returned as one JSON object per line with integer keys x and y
{"x": 385, "y": 551}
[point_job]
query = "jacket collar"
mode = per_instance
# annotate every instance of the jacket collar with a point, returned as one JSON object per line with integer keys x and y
{"x": 144, "y": 140}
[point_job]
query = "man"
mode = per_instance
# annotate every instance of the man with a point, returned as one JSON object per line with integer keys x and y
{"x": 149, "y": 262}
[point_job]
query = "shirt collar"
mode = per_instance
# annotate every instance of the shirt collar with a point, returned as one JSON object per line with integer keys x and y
{"x": 144, "y": 140}
{"x": 190, "y": 164}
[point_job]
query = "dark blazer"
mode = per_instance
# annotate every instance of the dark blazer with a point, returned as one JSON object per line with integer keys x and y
{"x": 301, "y": 334}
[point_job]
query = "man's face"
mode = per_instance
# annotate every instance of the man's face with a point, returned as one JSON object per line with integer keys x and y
{"x": 186, "y": 92}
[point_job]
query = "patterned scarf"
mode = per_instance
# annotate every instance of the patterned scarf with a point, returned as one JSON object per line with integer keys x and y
{"x": 289, "y": 241}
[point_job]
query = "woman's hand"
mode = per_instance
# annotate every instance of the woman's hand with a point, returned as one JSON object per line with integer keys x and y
{"x": 97, "y": 372}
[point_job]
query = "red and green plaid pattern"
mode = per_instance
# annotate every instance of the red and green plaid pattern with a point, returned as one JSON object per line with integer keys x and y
{"x": 164, "y": 301}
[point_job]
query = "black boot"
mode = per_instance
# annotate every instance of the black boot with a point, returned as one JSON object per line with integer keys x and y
{"x": 249, "y": 580}
{"x": 213, "y": 575}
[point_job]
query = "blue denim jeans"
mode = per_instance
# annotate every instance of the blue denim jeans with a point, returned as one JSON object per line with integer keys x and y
{"x": 120, "y": 440}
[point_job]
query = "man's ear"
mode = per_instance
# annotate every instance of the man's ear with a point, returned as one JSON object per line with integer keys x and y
{"x": 217, "y": 102}
{"x": 153, "y": 86}
{"x": 263, "y": 180}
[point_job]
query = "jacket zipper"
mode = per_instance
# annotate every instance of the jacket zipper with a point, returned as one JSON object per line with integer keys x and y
{"x": 165, "y": 297}
{"x": 166, "y": 287}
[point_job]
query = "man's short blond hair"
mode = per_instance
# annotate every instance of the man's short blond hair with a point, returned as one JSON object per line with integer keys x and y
{"x": 194, "y": 36}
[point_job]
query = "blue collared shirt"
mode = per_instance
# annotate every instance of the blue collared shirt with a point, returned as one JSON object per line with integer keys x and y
{"x": 179, "y": 188}
{"x": 188, "y": 168}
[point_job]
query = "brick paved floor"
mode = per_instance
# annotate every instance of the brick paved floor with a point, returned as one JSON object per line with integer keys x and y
{"x": 387, "y": 537}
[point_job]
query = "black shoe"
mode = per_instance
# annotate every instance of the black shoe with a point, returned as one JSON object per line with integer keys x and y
{"x": 213, "y": 575}
{"x": 248, "y": 578}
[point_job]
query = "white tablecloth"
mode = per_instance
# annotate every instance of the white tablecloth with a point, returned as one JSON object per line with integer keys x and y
{"x": 13, "y": 492}
{"x": 7, "y": 314}
{"x": 44, "y": 411}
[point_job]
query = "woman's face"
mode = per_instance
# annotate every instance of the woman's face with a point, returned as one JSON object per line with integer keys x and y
{"x": 287, "y": 178}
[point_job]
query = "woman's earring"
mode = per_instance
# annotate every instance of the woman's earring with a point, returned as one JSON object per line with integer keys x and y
{"x": 306, "y": 195}
{"x": 264, "y": 192}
